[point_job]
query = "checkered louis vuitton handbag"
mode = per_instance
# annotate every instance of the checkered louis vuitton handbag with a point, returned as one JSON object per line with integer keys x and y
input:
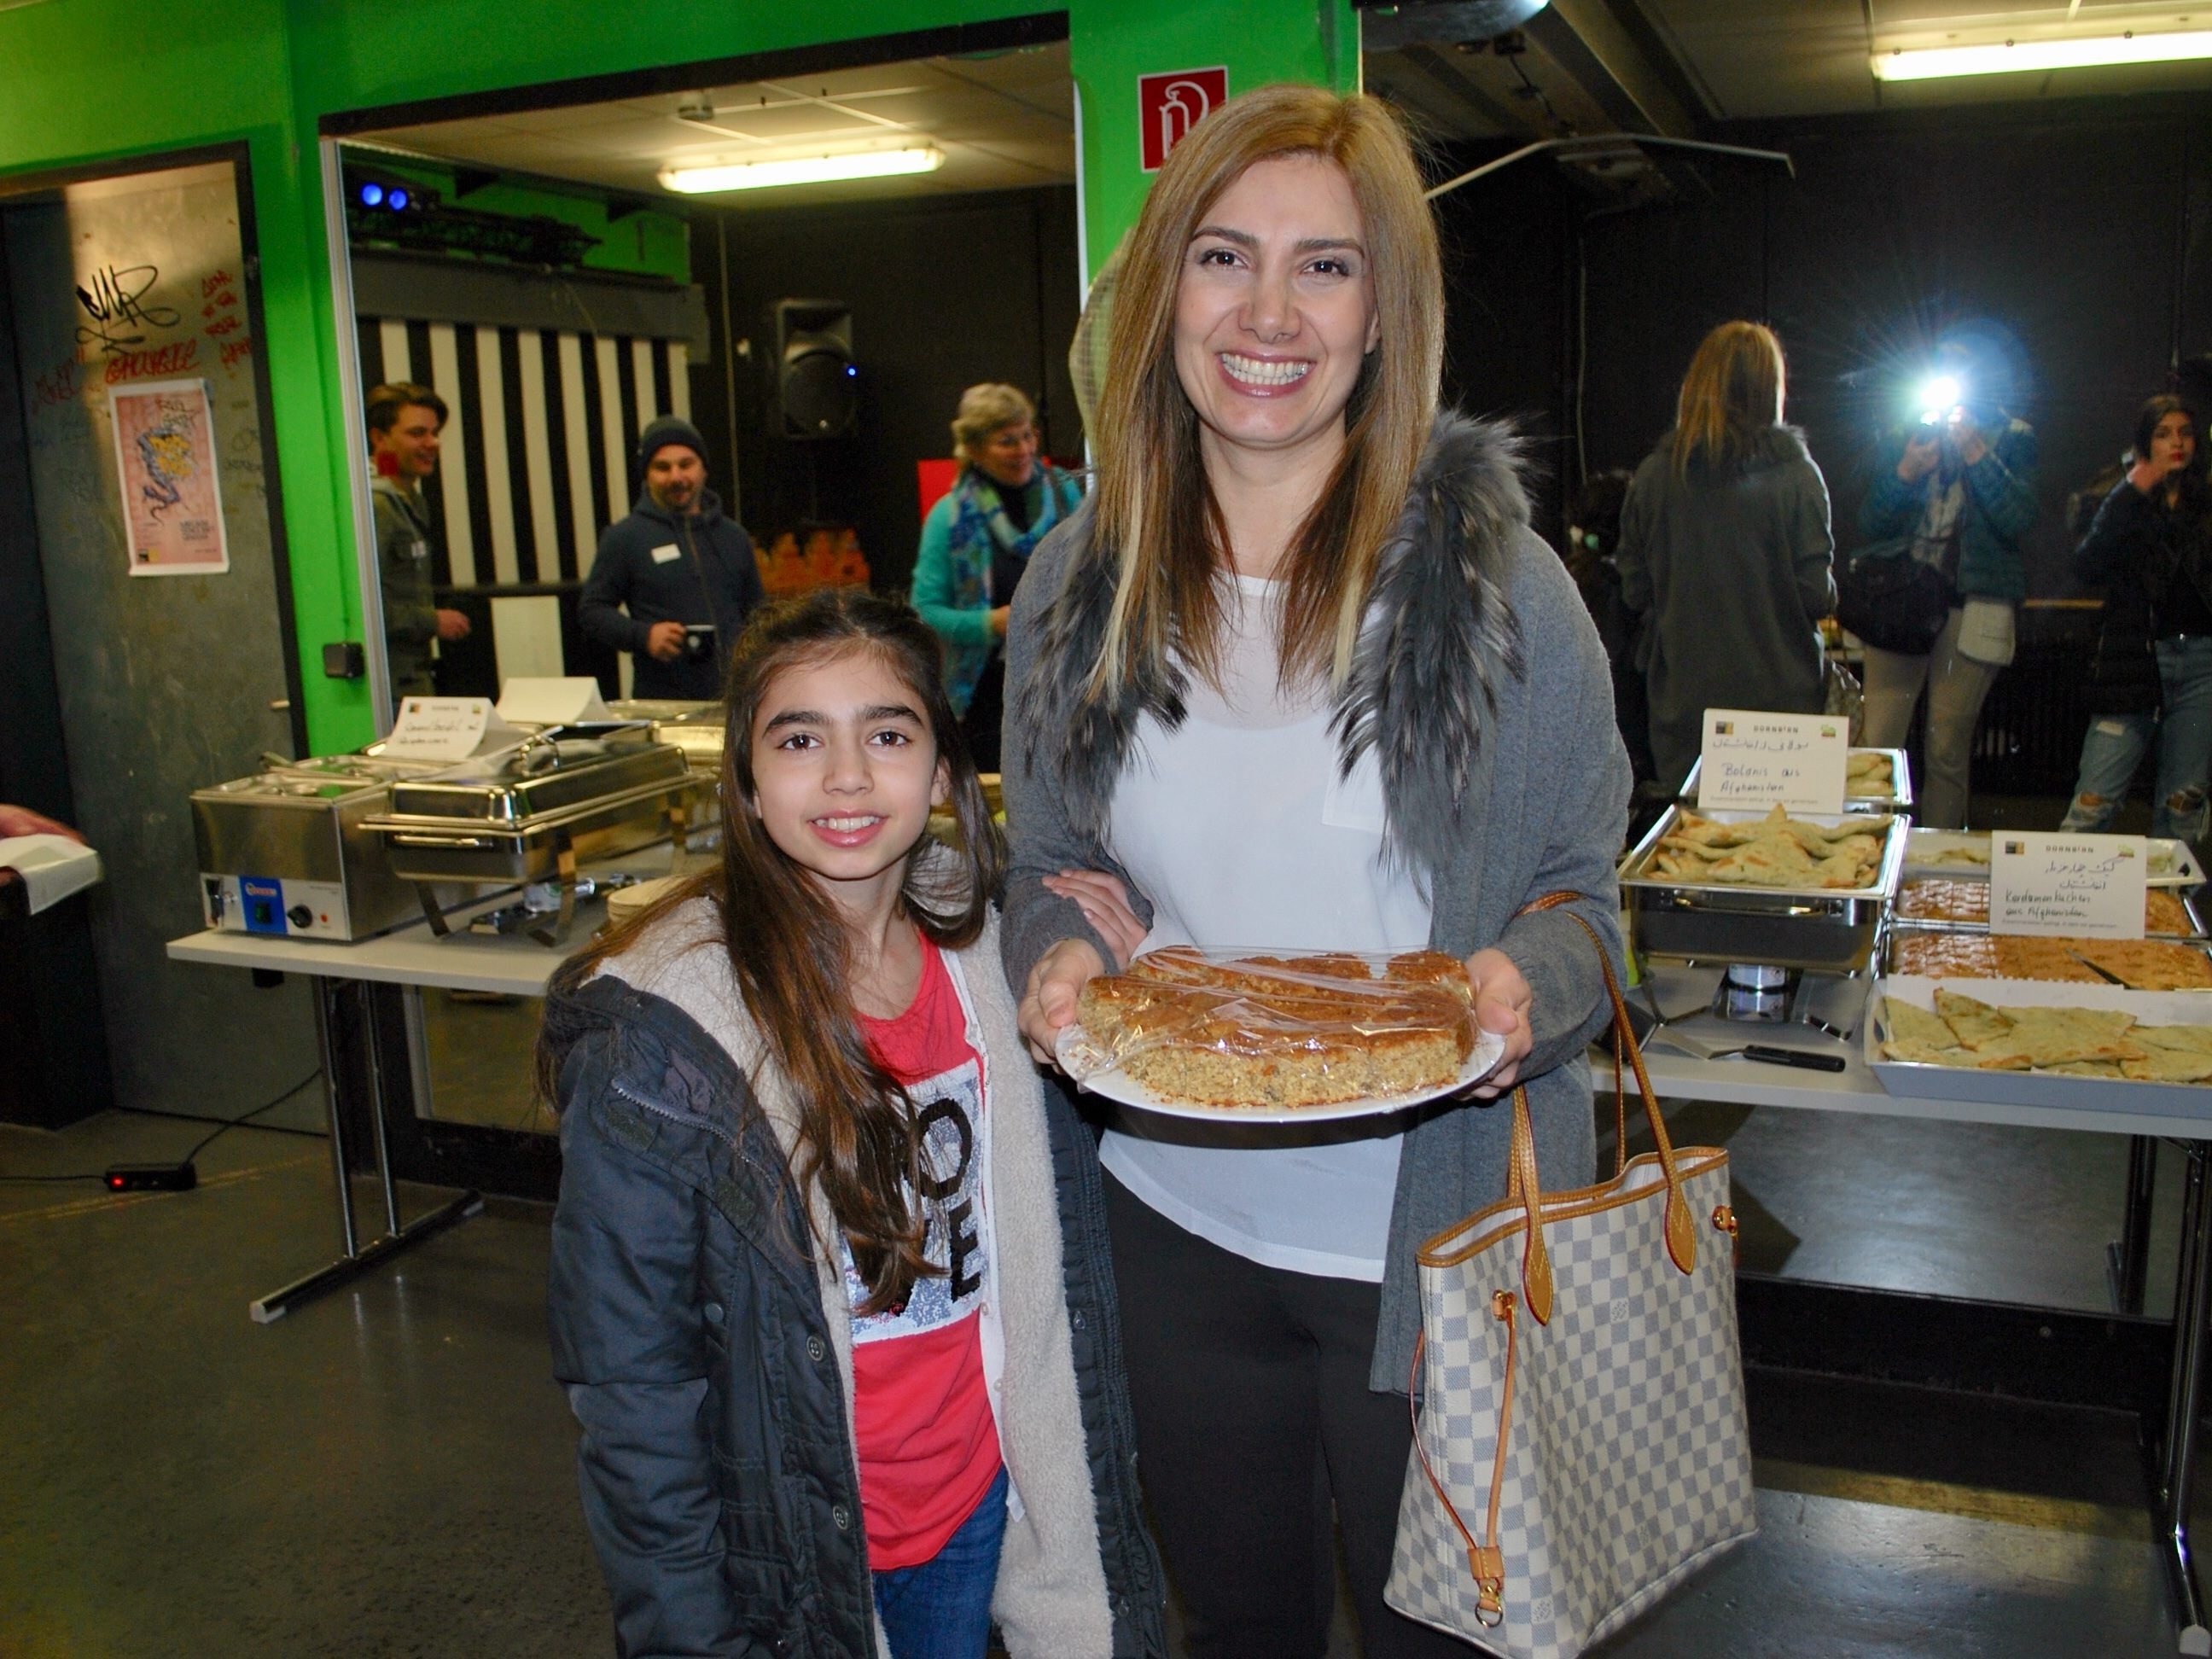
{"x": 1583, "y": 1447}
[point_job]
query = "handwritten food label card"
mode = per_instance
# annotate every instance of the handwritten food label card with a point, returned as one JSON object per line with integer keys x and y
{"x": 1760, "y": 760}
{"x": 2073, "y": 886}
{"x": 447, "y": 729}
{"x": 551, "y": 701}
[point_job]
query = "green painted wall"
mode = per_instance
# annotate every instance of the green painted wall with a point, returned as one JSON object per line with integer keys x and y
{"x": 89, "y": 81}
{"x": 1112, "y": 42}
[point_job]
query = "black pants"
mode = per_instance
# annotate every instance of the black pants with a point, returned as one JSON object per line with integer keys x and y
{"x": 1253, "y": 1414}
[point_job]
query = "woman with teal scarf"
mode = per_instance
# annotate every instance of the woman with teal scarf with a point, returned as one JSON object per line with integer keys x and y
{"x": 976, "y": 543}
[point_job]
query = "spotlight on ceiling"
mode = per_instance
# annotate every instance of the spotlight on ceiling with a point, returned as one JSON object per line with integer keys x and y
{"x": 801, "y": 170}
{"x": 2022, "y": 53}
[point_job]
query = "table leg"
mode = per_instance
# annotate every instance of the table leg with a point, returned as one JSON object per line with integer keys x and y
{"x": 2127, "y": 1258}
{"x": 357, "y": 1259}
{"x": 328, "y": 1002}
{"x": 2176, "y": 1476}
{"x": 367, "y": 1002}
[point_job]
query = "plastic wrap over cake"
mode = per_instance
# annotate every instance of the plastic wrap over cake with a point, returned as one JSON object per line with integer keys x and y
{"x": 1273, "y": 1030}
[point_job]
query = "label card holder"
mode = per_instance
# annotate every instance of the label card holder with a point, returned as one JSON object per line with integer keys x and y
{"x": 2068, "y": 886}
{"x": 447, "y": 729}
{"x": 1754, "y": 760}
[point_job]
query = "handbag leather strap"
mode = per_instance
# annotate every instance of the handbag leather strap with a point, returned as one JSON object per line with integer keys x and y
{"x": 1681, "y": 1230}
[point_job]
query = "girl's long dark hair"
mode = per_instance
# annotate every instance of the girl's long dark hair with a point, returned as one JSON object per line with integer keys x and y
{"x": 789, "y": 948}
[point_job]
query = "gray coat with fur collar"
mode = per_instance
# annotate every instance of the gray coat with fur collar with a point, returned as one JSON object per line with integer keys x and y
{"x": 1480, "y": 682}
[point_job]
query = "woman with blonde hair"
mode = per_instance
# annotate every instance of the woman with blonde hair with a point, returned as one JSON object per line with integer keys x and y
{"x": 1725, "y": 543}
{"x": 1300, "y": 676}
{"x": 975, "y": 545}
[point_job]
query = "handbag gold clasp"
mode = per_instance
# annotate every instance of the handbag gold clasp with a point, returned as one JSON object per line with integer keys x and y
{"x": 1724, "y": 1219}
{"x": 1490, "y": 1602}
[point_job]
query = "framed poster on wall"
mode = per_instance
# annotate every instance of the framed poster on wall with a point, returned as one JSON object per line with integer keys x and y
{"x": 172, "y": 498}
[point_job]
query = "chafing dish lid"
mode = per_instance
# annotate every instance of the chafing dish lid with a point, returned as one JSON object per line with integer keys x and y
{"x": 537, "y": 778}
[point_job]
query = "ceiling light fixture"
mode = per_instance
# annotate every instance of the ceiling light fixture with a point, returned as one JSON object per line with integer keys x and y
{"x": 802, "y": 170}
{"x": 2017, "y": 55}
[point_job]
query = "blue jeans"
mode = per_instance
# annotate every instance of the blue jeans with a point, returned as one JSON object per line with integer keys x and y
{"x": 942, "y": 1608}
{"x": 2114, "y": 747}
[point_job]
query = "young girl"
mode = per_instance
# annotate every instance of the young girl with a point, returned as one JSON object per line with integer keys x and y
{"x": 842, "y": 1389}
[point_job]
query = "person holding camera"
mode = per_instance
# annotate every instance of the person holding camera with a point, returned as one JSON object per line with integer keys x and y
{"x": 1957, "y": 492}
{"x": 685, "y": 573}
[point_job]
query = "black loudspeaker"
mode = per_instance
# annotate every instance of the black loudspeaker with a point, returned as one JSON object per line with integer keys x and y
{"x": 818, "y": 387}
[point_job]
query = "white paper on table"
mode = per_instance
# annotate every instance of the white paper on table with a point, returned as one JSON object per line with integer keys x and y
{"x": 1754, "y": 759}
{"x": 52, "y": 867}
{"x": 2066, "y": 884}
{"x": 552, "y": 702}
{"x": 449, "y": 729}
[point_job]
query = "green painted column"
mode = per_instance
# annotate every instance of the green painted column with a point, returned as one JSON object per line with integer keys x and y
{"x": 1113, "y": 42}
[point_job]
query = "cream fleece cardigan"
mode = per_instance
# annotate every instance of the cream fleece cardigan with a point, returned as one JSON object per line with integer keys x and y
{"x": 1051, "y": 1601}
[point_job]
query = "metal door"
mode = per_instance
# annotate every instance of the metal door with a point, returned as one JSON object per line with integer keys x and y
{"x": 169, "y": 683}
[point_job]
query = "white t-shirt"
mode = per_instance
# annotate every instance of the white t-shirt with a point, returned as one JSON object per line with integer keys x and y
{"x": 1236, "y": 828}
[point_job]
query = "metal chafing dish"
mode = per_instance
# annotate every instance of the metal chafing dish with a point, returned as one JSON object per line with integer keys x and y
{"x": 533, "y": 814}
{"x": 1901, "y": 781}
{"x": 1827, "y": 929}
{"x": 286, "y": 853}
{"x": 694, "y": 727}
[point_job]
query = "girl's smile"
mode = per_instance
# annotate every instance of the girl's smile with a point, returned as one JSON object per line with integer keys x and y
{"x": 845, "y": 773}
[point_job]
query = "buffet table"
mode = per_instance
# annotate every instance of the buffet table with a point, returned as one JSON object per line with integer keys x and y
{"x": 512, "y": 963}
{"x": 1680, "y": 992}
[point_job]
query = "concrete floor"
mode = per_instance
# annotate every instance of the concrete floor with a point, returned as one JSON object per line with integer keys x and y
{"x": 389, "y": 1471}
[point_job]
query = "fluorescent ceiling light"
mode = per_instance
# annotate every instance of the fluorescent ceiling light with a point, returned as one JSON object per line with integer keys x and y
{"x": 2017, "y": 55}
{"x": 802, "y": 170}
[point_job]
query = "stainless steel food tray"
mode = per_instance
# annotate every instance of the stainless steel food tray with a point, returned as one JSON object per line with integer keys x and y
{"x": 2189, "y": 908}
{"x": 1918, "y": 1080}
{"x": 1901, "y": 929}
{"x": 697, "y": 728}
{"x": 1827, "y": 929}
{"x": 1900, "y": 777}
{"x": 2173, "y": 863}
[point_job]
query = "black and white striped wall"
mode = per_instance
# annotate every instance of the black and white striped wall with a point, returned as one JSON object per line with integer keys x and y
{"x": 543, "y": 422}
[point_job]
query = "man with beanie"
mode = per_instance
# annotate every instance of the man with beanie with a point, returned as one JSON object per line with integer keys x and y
{"x": 685, "y": 573}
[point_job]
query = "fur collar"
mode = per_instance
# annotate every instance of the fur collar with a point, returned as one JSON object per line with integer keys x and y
{"x": 1439, "y": 643}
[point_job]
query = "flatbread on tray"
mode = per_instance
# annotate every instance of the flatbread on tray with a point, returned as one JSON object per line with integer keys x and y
{"x": 1970, "y": 1021}
{"x": 2097, "y": 1042}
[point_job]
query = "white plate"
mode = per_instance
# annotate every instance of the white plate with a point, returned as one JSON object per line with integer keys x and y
{"x": 1116, "y": 1085}
{"x": 1919, "y": 1079}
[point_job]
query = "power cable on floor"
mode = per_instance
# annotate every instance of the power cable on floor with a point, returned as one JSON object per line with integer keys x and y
{"x": 220, "y": 1130}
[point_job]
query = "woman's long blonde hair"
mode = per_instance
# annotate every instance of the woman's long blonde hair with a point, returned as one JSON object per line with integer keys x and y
{"x": 1732, "y": 392}
{"x": 1156, "y": 511}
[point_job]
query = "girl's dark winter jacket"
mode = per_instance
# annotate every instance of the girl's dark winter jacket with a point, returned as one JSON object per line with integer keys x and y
{"x": 2135, "y": 547}
{"x": 706, "y": 1343}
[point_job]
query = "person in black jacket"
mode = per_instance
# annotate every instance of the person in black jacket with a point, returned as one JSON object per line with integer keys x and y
{"x": 2150, "y": 546}
{"x": 684, "y": 572}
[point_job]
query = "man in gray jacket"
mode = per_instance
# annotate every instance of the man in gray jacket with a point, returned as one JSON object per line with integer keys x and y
{"x": 405, "y": 421}
{"x": 685, "y": 573}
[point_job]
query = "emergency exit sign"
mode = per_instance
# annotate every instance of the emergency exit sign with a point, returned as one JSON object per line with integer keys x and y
{"x": 1169, "y": 105}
